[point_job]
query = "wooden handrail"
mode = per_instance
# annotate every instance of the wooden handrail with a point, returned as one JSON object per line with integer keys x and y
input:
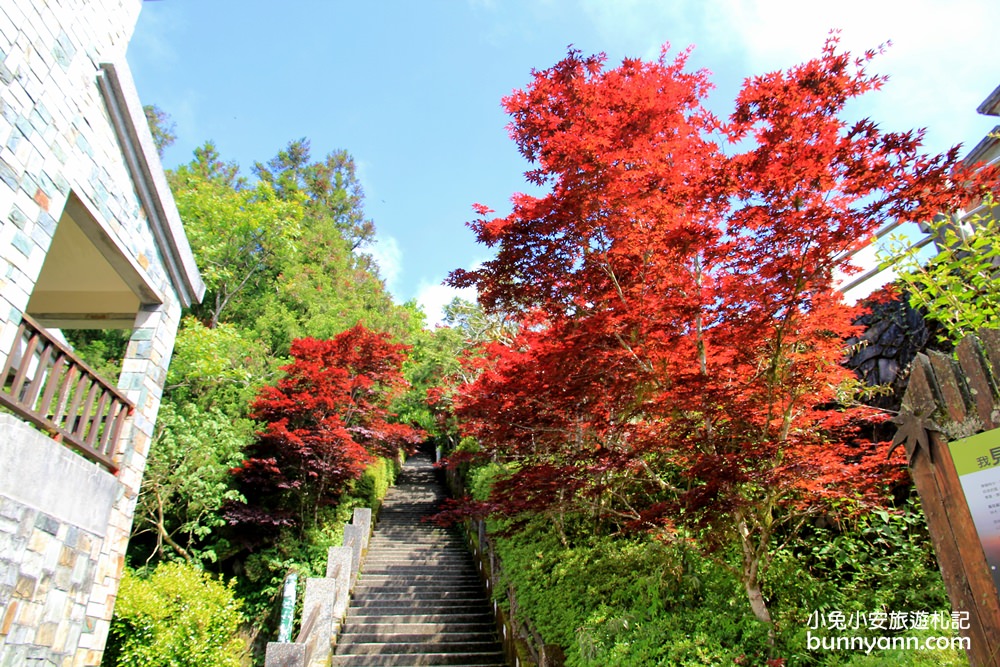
{"x": 44, "y": 382}
{"x": 307, "y": 636}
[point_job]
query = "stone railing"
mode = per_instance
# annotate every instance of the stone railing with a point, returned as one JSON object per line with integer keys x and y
{"x": 522, "y": 643}
{"x": 523, "y": 646}
{"x": 326, "y": 598}
{"x": 43, "y": 382}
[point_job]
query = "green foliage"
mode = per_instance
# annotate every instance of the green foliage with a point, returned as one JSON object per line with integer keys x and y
{"x": 434, "y": 358}
{"x": 907, "y": 657}
{"x": 264, "y": 571}
{"x": 187, "y": 481}
{"x": 881, "y": 560}
{"x": 957, "y": 287}
{"x": 160, "y": 126}
{"x": 635, "y": 602}
{"x": 241, "y": 236}
{"x": 370, "y": 489}
{"x": 477, "y": 326}
{"x": 480, "y": 478}
{"x": 177, "y": 617}
{"x": 282, "y": 258}
{"x": 220, "y": 367}
{"x": 331, "y": 189}
{"x": 660, "y": 599}
{"x": 101, "y": 349}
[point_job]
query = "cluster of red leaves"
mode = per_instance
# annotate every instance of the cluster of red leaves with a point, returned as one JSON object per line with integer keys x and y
{"x": 680, "y": 327}
{"x": 323, "y": 422}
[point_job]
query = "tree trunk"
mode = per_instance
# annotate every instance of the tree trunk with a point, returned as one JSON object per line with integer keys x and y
{"x": 757, "y": 603}
{"x": 163, "y": 535}
{"x": 753, "y": 555}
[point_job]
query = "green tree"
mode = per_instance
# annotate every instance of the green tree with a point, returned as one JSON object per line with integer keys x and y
{"x": 433, "y": 362}
{"x": 241, "y": 235}
{"x": 178, "y": 617}
{"x": 331, "y": 188}
{"x": 220, "y": 367}
{"x": 476, "y": 325}
{"x": 281, "y": 258}
{"x": 160, "y": 126}
{"x": 331, "y": 284}
{"x": 957, "y": 287}
{"x": 187, "y": 481}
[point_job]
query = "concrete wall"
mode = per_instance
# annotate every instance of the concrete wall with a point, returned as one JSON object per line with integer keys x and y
{"x": 51, "y": 537}
{"x": 64, "y": 523}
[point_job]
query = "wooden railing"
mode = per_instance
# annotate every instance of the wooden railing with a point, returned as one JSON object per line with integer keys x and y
{"x": 307, "y": 637}
{"x": 46, "y": 384}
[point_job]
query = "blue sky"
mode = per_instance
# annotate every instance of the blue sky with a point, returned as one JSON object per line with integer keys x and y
{"x": 412, "y": 88}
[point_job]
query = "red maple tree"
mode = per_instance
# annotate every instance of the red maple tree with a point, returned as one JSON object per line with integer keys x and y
{"x": 324, "y": 421}
{"x": 678, "y": 360}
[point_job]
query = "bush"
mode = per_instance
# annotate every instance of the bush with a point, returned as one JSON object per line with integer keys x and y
{"x": 306, "y": 551}
{"x": 629, "y": 601}
{"x": 374, "y": 483}
{"x": 178, "y": 617}
{"x": 639, "y": 601}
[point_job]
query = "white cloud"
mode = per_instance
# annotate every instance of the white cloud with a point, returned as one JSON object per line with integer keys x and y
{"x": 389, "y": 258}
{"x": 432, "y": 298}
{"x": 940, "y": 63}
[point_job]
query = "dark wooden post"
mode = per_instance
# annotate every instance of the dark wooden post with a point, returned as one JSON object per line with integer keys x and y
{"x": 944, "y": 401}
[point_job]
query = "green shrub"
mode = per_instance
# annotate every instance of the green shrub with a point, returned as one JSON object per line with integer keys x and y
{"x": 177, "y": 617}
{"x": 306, "y": 552}
{"x": 374, "y": 483}
{"x": 639, "y": 601}
{"x": 629, "y": 602}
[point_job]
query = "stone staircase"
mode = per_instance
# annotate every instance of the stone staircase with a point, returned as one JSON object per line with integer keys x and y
{"x": 419, "y": 600}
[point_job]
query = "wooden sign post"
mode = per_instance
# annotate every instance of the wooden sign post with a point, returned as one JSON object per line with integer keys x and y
{"x": 948, "y": 401}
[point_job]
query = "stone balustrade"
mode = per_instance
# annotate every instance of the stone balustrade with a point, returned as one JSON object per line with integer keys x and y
{"x": 326, "y": 598}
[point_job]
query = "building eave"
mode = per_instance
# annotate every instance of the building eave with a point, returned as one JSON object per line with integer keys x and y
{"x": 986, "y": 150}
{"x": 991, "y": 105}
{"x": 143, "y": 162}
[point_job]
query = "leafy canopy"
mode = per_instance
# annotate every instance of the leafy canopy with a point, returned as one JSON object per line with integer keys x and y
{"x": 324, "y": 421}
{"x": 178, "y": 615}
{"x": 957, "y": 287}
{"x": 680, "y": 339}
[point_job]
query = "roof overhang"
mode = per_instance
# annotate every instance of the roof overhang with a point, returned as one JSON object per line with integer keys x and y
{"x": 150, "y": 182}
{"x": 87, "y": 280}
{"x": 991, "y": 105}
{"x": 987, "y": 150}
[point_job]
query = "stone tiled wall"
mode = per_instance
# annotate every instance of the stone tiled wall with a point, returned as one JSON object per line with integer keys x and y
{"x": 46, "y": 572}
{"x": 58, "y": 582}
{"x": 53, "y": 134}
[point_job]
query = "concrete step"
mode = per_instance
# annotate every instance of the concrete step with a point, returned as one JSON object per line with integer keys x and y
{"x": 461, "y": 594}
{"x": 494, "y": 659}
{"x": 414, "y": 546}
{"x": 401, "y": 608}
{"x": 421, "y": 645}
{"x": 444, "y": 578}
{"x": 419, "y": 600}
{"x": 444, "y": 556}
{"x": 381, "y": 617}
{"x": 487, "y": 627}
{"x": 402, "y": 570}
{"x": 363, "y": 590}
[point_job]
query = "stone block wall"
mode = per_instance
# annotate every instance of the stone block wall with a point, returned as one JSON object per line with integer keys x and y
{"x": 62, "y": 145}
{"x": 47, "y": 572}
{"x": 53, "y": 134}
